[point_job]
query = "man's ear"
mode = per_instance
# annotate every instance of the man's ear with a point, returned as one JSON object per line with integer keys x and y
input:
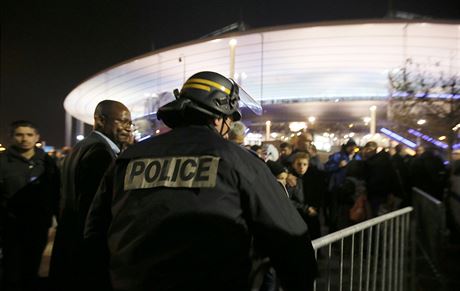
{"x": 99, "y": 121}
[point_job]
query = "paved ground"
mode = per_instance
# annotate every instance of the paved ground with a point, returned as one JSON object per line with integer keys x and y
{"x": 445, "y": 277}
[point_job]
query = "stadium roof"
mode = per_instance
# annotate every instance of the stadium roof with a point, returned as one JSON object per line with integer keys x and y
{"x": 310, "y": 62}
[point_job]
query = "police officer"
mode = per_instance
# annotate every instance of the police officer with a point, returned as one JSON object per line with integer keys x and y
{"x": 189, "y": 206}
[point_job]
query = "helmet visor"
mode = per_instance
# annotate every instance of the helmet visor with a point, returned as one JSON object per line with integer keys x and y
{"x": 247, "y": 101}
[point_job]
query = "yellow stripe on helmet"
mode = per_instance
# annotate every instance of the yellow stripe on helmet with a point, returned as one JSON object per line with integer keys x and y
{"x": 210, "y": 83}
{"x": 197, "y": 86}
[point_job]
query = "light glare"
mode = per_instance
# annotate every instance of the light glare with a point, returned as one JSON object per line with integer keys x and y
{"x": 296, "y": 126}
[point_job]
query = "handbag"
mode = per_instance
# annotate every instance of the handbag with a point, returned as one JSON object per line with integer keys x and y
{"x": 358, "y": 211}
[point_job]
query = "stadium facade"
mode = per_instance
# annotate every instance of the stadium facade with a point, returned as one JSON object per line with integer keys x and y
{"x": 331, "y": 70}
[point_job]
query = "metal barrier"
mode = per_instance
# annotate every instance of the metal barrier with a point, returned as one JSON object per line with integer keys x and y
{"x": 371, "y": 255}
{"x": 431, "y": 229}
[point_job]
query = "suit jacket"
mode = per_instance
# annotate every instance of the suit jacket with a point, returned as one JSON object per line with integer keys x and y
{"x": 82, "y": 172}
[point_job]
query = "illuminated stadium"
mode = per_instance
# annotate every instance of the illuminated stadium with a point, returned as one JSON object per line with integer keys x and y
{"x": 334, "y": 71}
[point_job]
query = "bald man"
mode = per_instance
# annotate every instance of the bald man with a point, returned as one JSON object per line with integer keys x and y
{"x": 82, "y": 172}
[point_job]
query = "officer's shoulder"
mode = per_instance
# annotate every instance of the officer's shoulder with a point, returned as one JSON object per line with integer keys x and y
{"x": 136, "y": 150}
{"x": 249, "y": 153}
{"x": 237, "y": 153}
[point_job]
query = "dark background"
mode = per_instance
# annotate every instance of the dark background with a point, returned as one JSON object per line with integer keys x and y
{"x": 48, "y": 47}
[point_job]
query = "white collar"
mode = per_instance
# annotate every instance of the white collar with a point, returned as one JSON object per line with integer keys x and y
{"x": 112, "y": 145}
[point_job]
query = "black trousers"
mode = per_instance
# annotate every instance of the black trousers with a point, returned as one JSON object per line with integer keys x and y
{"x": 23, "y": 246}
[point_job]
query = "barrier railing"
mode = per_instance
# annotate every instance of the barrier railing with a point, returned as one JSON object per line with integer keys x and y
{"x": 372, "y": 255}
{"x": 431, "y": 229}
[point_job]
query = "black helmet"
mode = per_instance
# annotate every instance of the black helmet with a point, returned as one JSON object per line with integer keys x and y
{"x": 209, "y": 93}
{"x": 213, "y": 92}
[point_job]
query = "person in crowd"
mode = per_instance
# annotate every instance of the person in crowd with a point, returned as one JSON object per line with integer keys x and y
{"x": 428, "y": 173}
{"x": 315, "y": 191}
{"x": 279, "y": 171}
{"x": 306, "y": 203}
{"x": 419, "y": 151}
{"x": 335, "y": 169}
{"x": 237, "y": 132}
{"x": 82, "y": 172}
{"x": 409, "y": 159}
{"x": 314, "y": 158}
{"x": 286, "y": 154}
{"x": 259, "y": 151}
{"x": 270, "y": 282}
{"x": 353, "y": 187}
{"x": 53, "y": 154}
{"x": 29, "y": 197}
{"x": 402, "y": 170}
{"x": 455, "y": 155}
{"x": 65, "y": 151}
{"x": 337, "y": 162}
{"x": 303, "y": 142}
{"x": 187, "y": 204}
{"x": 294, "y": 183}
{"x": 382, "y": 182}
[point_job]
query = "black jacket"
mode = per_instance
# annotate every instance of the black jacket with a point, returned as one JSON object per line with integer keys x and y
{"x": 309, "y": 191}
{"x": 314, "y": 186}
{"x": 429, "y": 174}
{"x": 29, "y": 189}
{"x": 297, "y": 195}
{"x": 187, "y": 207}
{"x": 381, "y": 177}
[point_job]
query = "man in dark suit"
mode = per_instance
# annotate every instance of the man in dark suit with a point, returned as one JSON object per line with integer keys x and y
{"x": 82, "y": 172}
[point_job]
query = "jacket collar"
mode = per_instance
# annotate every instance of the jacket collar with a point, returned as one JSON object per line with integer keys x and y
{"x": 39, "y": 154}
{"x": 112, "y": 145}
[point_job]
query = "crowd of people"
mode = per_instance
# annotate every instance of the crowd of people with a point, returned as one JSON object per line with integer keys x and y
{"x": 193, "y": 208}
{"x": 370, "y": 179}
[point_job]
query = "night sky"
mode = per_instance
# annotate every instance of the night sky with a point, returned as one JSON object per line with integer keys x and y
{"x": 48, "y": 47}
